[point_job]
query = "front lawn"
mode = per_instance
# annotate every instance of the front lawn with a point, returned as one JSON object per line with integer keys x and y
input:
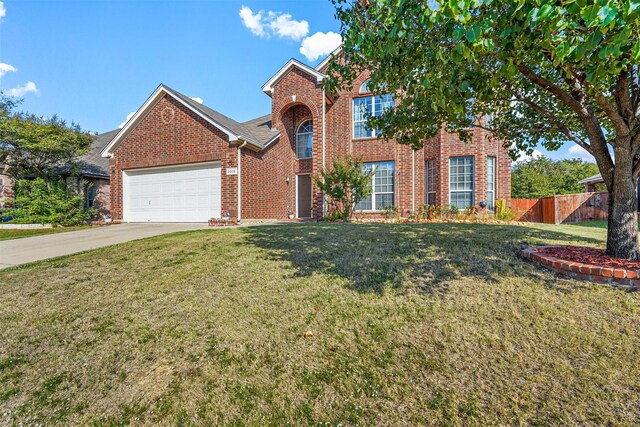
{"x": 8, "y": 234}
{"x": 412, "y": 324}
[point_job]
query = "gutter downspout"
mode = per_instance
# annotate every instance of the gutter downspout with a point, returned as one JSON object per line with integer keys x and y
{"x": 413, "y": 181}
{"x": 324, "y": 130}
{"x": 239, "y": 216}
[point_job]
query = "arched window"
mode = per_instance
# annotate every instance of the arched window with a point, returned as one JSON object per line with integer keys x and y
{"x": 364, "y": 87}
{"x": 304, "y": 140}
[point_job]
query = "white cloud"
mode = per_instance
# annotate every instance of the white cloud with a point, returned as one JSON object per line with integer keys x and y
{"x": 20, "y": 91}
{"x": 6, "y": 68}
{"x": 523, "y": 157}
{"x": 253, "y": 21}
{"x": 121, "y": 125}
{"x": 580, "y": 153}
{"x": 320, "y": 44}
{"x": 3, "y": 10}
{"x": 197, "y": 99}
{"x": 285, "y": 27}
{"x": 266, "y": 24}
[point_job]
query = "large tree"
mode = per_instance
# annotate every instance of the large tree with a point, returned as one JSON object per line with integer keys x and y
{"x": 545, "y": 72}
{"x": 33, "y": 146}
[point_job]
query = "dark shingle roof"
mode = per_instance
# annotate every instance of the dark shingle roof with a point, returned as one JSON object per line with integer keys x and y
{"x": 257, "y": 131}
{"x": 92, "y": 163}
{"x": 261, "y": 129}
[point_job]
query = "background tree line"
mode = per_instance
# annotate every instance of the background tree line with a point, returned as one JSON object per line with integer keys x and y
{"x": 543, "y": 177}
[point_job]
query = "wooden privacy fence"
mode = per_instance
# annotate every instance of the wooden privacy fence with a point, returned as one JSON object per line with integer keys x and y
{"x": 563, "y": 208}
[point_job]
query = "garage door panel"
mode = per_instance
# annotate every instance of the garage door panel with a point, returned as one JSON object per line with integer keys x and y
{"x": 184, "y": 194}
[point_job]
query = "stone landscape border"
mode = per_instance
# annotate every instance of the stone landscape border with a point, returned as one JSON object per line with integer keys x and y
{"x": 580, "y": 271}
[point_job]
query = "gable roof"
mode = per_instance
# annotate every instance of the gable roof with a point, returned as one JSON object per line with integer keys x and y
{"x": 234, "y": 130}
{"x": 268, "y": 86}
{"x": 92, "y": 164}
{"x": 329, "y": 57}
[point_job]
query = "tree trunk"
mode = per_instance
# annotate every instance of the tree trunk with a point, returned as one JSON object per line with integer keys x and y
{"x": 622, "y": 233}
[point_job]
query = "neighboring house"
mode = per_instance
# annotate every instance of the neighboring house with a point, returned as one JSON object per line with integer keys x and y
{"x": 595, "y": 183}
{"x": 591, "y": 183}
{"x": 6, "y": 186}
{"x": 91, "y": 178}
{"x": 177, "y": 160}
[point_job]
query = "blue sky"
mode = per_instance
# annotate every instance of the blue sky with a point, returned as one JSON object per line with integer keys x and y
{"x": 95, "y": 61}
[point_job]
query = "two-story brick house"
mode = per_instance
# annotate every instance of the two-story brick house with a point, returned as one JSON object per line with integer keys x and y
{"x": 178, "y": 160}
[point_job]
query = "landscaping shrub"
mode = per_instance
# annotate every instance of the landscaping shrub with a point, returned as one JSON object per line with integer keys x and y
{"x": 390, "y": 212}
{"x": 347, "y": 183}
{"x": 41, "y": 202}
{"x": 503, "y": 213}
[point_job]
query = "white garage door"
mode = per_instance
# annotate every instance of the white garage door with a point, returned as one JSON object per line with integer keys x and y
{"x": 189, "y": 193}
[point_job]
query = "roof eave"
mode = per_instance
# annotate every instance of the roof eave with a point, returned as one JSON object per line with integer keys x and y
{"x": 160, "y": 91}
{"x": 268, "y": 86}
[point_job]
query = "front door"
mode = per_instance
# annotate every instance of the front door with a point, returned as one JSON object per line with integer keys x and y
{"x": 304, "y": 196}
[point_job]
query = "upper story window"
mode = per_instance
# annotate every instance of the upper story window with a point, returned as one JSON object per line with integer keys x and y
{"x": 304, "y": 140}
{"x": 374, "y": 105}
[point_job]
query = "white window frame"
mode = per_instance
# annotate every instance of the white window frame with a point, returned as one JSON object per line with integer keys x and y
{"x": 373, "y": 166}
{"x": 473, "y": 180}
{"x": 430, "y": 169}
{"x": 374, "y": 113}
{"x": 492, "y": 191}
{"x": 309, "y": 134}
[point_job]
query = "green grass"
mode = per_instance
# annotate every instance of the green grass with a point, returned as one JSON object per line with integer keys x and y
{"x": 595, "y": 224}
{"x": 8, "y": 234}
{"x": 437, "y": 324}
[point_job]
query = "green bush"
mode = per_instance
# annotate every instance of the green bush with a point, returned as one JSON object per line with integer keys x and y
{"x": 40, "y": 202}
{"x": 347, "y": 183}
{"x": 390, "y": 212}
{"x": 503, "y": 213}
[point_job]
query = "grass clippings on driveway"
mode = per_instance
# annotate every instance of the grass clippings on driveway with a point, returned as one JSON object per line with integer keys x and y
{"x": 437, "y": 324}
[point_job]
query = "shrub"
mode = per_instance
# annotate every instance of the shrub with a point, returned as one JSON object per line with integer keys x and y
{"x": 449, "y": 212}
{"x": 503, "y": 213}
{"x": 40, "y": 202}
{"x": 346, "y": 184}
{"x": 390, "y": 212}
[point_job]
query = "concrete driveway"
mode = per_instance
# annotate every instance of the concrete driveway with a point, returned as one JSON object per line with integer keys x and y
{"x": 30, "y": 249}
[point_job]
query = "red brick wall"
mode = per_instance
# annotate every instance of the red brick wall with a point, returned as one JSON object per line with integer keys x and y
{"x": 410, "y": 180}
{"x": 102, "y": 196}
{"x": 172, "y": 134}
{"x": 297, "y": 97}
{"x": 269, "y": 177}
{"x": 481, "y": 147}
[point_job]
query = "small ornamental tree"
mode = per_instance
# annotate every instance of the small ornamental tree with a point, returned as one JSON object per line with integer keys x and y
{"x": 33, "y": 146}
{"x": 347, "y": 183}
{"x": 546, "y": 71}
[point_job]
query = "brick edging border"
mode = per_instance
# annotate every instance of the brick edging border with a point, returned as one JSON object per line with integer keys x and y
{"x": 580, "y": 271}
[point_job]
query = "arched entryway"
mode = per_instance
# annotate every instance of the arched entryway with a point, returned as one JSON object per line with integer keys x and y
{"x": 300, "y": 131}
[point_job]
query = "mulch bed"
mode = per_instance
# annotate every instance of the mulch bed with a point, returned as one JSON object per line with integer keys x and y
{"x": 587, "y": 255}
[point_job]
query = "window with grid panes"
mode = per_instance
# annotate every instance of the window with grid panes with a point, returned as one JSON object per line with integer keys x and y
{"x": 461, "y": 181}
{"x": 382, "y": 185}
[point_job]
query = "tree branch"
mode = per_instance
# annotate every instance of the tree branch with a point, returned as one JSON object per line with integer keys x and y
{"x": 564, "y": 129}
{"x": 554, "y": 89}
